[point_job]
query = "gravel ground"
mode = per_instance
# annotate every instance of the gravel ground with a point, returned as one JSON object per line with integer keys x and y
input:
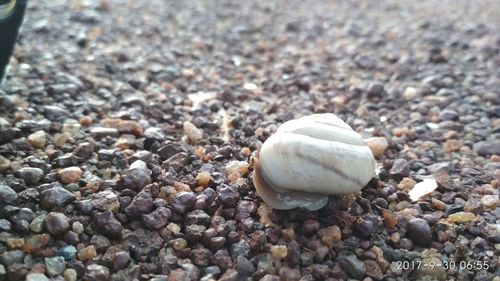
{"x": 127, "y": 132}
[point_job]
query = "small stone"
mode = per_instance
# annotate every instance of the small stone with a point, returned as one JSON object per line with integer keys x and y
{"x": 70, "y": 275}
{"x": 5, "y": 225}
{"x": 4, "y": 164}
{"x": 34, "y": 276}
{"x": 229, "y": 275}
{"x": 373, "y": 270}
{"x": 193, "y": 134}
{"x": 60, "y": 139}
{"x": 157, "y": 219}
{"x": 375, "y": 89}
{"x": 203, "y": 178}
{"x": 200, "y": 256}
{"x": 15, "y": 243}
{"x": 105, "y": 200}
{"x": 38, "y": 139}
{"x": 135, "y": 241}
{"x": 183, "y": 201}
{"x": 377, "y": 145}
{"x": 56, "y": 196}
{"x": 490, "y": 201}
{"x": 461, "y": 217}
{"x": 320, "y": 271}
{"x": 77, "y": 227}
{"x": 229, "y": 196}
{"x": 86, "y": 121}
{"x": 136, "y": 177}
{"x": 141, "y": 204}
{"x": 56, "y": 223}
{"x": 406, "y": 184}
{"x": 130, "y": 127}
{"x": 67, "y": 252}
{"x": 452, "y": 145}
{"x": 353, "y": 266}
{"x": 410, "y": 93}
{"x": 439, "y": 168}
{"x": 240, "y": 167}
{"x": 244, "y": 267}
{"x": 179, "y": 244}
{"x": 121, "y": 260}
{"x": 55, "y": 265}
{"x": 8, "y": 258}
{"x": 107, "y": 224}
{"x": 70, "y": 174}
{"x": 330, "y": 235}
{"x": 101, "y": 132}
{"x": 400, "y": 168}
{"x": 71, "y": 126}
{"x": 487, "y": 148}
{"x": 31, "y": 176}
{"x": 84, "y": 150}
{"x": 7, "y": 194}
{"x": 97, "y": 272}
{"x": 87, "y": 253}
{"x": 419, "y": 231}
{"x": 279, "y": 252}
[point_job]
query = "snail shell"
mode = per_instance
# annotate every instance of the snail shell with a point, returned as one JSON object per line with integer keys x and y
{"x": 308, "y": 158}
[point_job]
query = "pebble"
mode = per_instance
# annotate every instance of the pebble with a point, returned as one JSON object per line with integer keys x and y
{"x": 4, "y": 164}
{"x": 353, "y": 266}
{"x": 5, "y": 225}
{"x": 203, "y": 178}
{"x": 30, "y": 175}
{"x": 244, "y": 267}
{"x": 330, "y": 235}
{"x": 101, "y": 132}
{"x": 400, "y": 168}
{"x": 56, "y": 197}
{"x": 97, "y": 272}
{"x": 461, "y": 217}
{"x": 490, "y": 201}
{"x": 71, "y": 127}
{"x": 239, "y": 167}
{"x": 136, "y": 177}
{"x": 56, "y": 223}
{"x": 105, "y": 200}
{"x": 7, "y": 194}
{"x": 38, "y": 139}
{"x": 141, "y": 204}
{"x": 192, "y": 132}
{"x": 279, "y": 252}
{"x": 70, "y": 275}
{"x": 183, "y": 201}
{"x": 70, "y": 174}
{"x": 487, "y": 148}
{"x": 377, "y": 145}
{"x": 121, "y": 260}
{"x": 156, "y": 219}
{"x": 373, "y": 270}
{"x": 67, "y": 252}
{"x": 34, "y": 276}
{"x": 135, "y": 241}
{"x": 229, "y": 196}
{"x": 8, "y": 258}
{"x": 15, "y": 243}
{"x": 419, "y": 231}
{"x": 55, "y": 265}
{"x": 87, "y": 253}
{"x": 410, "y": 93}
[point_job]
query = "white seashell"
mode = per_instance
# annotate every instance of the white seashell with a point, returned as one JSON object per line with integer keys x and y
{"x": 308, "y": 158}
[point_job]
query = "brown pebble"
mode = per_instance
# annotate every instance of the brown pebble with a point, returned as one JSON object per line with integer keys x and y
{"x": 87, "y": 253}
{"x": 377, "y": 145}
{"x": 86, "y": 121}
{"x": 330, "y": 235}
{"x": 70, "y": 174}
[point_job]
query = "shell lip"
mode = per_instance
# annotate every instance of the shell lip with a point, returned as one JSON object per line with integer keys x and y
{"x": 282, "y": 199}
